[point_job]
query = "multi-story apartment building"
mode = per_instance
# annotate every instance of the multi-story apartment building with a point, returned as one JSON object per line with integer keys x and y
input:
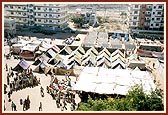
{"x": 9, "y": 27}
{"x": 53, "y": 16}
{"x": 146, "y": 16}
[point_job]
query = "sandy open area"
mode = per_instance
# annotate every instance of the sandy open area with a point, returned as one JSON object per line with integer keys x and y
{"x": 48, "y": 104}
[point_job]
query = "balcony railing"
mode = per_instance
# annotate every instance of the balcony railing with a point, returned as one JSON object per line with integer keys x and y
{"x": 147, "y": 14}
{"x": 148, "y": 8}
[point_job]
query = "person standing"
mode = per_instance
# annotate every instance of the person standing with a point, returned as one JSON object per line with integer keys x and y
{"x": 64, "y": 104}
{"x": 8, "y": 79}
{"x": 13, "y": 105}
{"x": 6, "y": 67}
{"x": 40, "y": 107}
{"x": 9, "y": 95}
{"x": 21, "y": 101}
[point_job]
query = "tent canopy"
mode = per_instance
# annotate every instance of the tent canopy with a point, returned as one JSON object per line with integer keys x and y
{"x": 22, "y": 65}
{"x": 112, "y": 81}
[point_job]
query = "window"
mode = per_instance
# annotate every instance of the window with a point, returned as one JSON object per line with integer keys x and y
{"x": 11, "y": 7}
{"x": 50, "y": 21}
{"x": 136, "y": 6}
{"x": 19, "y": 13}
{"x": 157, "y": 18}
{"x": 24, "y": 8}
{"x": 50, "y": 9}
{"x": 143, "y": 12}
{"x": 19, "y": 7}
{"x": 39, "y": 20}
{"x": 134, "y": 23}
{"x": 160, "y": 7}
{"x": 50, "y": 15}
{"x": 24, "y": 14}
{"x": 58, "y": 9}
{"x": 152, "y": 18}
{"x": 39, "y": 14}
{"x": 157, "y": 24}
{"x": 135, "y": 12}
{"x": 159, "y": 13}
{"x": 12, "y": 13}
{"x": 135, "y": 18}
{"x": 142, "y": 18}
{"x": 153, "y": 12}
{"x": 58, "y": 15}
{"x": 45, "y": 21}
{"x": 19, "y": 18}
{"x": 45, "y": 9}
{"x": 151, "y": 24}
{"x": 154, "y": 7}
{"x": 45, "y": 15}
{"x": 39, "y": 8}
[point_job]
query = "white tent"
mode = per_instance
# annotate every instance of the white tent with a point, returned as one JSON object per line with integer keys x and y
{"x": 81, "y": 50}
{"x": 116, "y": 52}
{"x": 111, "y": 81}
{"x": 105, "y": 51}
{"x": 118, "y": 62}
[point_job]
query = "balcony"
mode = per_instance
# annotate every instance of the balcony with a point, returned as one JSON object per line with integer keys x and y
{"x": 148, "y": 14}
{"x": 162, "y": 21}
{"x": 149, "y": 8}
{"x": 147, "y": 20}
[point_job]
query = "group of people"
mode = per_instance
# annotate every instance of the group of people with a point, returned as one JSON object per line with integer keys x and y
{"x": 21, "y": 80}
{"x": 18, "y": 81}
{"x": 61, "y": 91}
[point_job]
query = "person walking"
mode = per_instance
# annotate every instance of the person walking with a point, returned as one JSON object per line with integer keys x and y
{"x": 42, "y": 91}
{"x": 21, "y": 101}
{"x": 6, "y": 67}
{"x": 8, "y": 80}
{"x": 58, "y": 97}
{"x": 40, "y": 107}
{"x": 13, "y": 105}
{"x": 9, "y": 95}
{"x": 64, "y": 104}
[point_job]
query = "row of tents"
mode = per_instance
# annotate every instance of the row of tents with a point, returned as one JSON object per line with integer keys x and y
{"x": 80, "y": 57}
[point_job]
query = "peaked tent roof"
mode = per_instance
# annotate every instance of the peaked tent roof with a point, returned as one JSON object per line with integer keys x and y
{"x": 117, "y": 56}
{"x": 103, "y": 55}
{"x": 116, "y": 52}
{"x": 55, "y": 59}
{"x": 76, "y": 54}
{"x": 22, "y": 65}
{"x": 105, "y": 50}
{"x": 116, "y": 63}
{"x": 41, "y": 67}
{"x": 89, "y": 61}
{"x": 103, "y": 61}
{"x": 81, "y": 50}
{"x": 74, "y": 59}
{"x": 41, "y": 58}
{"x": 60, "y": 64}
{"x": 66, "y": 49}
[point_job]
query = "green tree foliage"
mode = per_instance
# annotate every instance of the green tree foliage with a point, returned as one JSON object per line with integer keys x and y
{"x": 78, "y": 20}
{"x": 135, "y": 100}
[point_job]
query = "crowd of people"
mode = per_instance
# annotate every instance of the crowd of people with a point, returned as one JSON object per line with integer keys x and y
{"x": 19, "y": 81}
{"x": 62, "y": 92}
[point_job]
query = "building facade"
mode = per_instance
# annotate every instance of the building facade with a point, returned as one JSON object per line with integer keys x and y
{"x": 53, "y": 16}
{"x": 9, "y": 27}
{"x": 146, "y": 17}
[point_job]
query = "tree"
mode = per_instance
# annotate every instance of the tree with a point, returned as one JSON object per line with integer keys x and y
{"x": 135, "y": 100}
{"x": 78, "y": 20}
